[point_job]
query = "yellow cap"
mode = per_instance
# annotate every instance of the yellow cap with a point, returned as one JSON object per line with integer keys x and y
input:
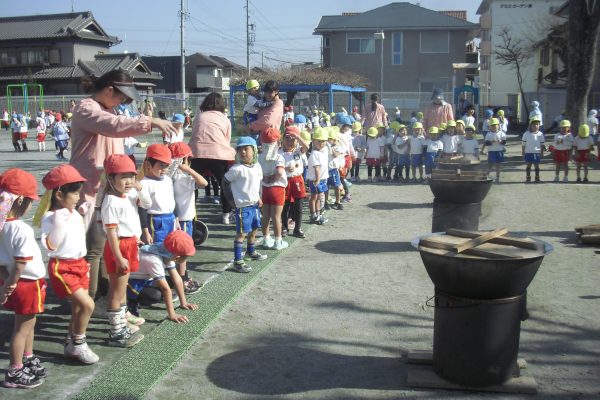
{"x": 335, "y": 128}
{"x": 327, "y": 117}
{"x": 402, "y": 126}
{"x": 451, "y": 123}
{"x": 500, "y": 113}
{"x": 535, "y": 119}
{"x": 420, "y": 115}
{"x": 442, "y": 126}
{"x": 395, "y": 125}
{"x": 471, "y": 126}
{"x": 332, "y": 114}
{"x": 380, "y": 125}
{"x": 565, "y": 123}
{"x": 305, "y": 135}
{"x": 494, "y": 121}
{"x": 356, "y": 126}
{"x": 333, "y": 134}
{"x": 251, "y": 84}
{"x": 320, "y": 134}
{"x": 460, "y": 121}
{"x": 417, "y": 125}
{"x": 372, "y": 132}
{"x": 584, "y": 131}
{"x": 433, "y": 130}
{"x": 69, "y": 115}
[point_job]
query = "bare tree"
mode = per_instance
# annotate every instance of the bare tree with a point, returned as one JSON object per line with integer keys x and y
{"x": 514, "y": 53}
{"x": 583, "y": 38}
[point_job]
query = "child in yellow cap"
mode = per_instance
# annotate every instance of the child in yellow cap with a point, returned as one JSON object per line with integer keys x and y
{"x": 563, "y": 147}
{"x": 583, "y": 144}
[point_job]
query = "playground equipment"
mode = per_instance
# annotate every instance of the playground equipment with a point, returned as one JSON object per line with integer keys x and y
{"x": 26, "y": 90}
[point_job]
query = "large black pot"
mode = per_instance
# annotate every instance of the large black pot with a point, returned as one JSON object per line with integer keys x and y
{"x": 453, "y": 166}
{"x": 481, "y": 278}
{"x": 460, "y": 191}
{"x": 455, "y": 215}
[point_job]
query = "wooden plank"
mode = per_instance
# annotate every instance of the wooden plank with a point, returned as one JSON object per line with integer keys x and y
{"x": 592, "y": 227}
{"x": 425, "y": 357}
{"x": 506, "y": 240}
{"x": 471, "y": 252}
{"x": 590, "y": 239}
{"x": 480, "y": 240}
{"x": 427, "y": 378}
{"x": 587, "y": 230}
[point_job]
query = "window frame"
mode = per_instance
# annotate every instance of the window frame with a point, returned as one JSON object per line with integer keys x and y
{"x": 360, "y": 37}
{"x": 393, "y": 52}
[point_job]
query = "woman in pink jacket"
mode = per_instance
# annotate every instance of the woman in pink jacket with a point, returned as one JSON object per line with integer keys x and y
{"x": 375, "y": 115}
{"x": 97, "y": 132}
{"x": 211, "y": 143}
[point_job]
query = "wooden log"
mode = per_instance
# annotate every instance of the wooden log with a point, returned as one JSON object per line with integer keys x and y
{"x": 471, "y": 252}
{"x": 480, "y": 240}
{"x": 590, "y": 239}
{"x": 506, "y": 240}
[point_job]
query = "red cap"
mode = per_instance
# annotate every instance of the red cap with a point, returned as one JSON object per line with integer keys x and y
{"x": 180, "y": 150}
{"x": 270, "y": 135}
{"x": 58, "y": 117}
{"x": 180, "y": 243}
{"x": 61, "y": 175}
{"x": 159, "y": 152}
{"x": 119, "y": 164}
{"x": 292, "y": 130}
{"x": 19, "y": 182}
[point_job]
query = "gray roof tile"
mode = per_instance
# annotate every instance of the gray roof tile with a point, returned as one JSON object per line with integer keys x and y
{"x": 392, "y": 16}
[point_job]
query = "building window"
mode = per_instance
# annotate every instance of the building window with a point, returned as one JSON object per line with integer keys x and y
{"x": 360, "y": 44}
{"x": 397, "y": 48}
{"x": 434, "y": 42}
{"x": 426, "y": 85}
{"x": 326, "y": 43}
{"x": 484, "y": 62}
{"x": 545, "y": 56}
{"x": 31, "y": 56}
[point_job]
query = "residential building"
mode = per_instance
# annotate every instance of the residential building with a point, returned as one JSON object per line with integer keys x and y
{"x": 415, "y": 55}
{"x": 526, "y": 22}
{"x": 57, "y": 50}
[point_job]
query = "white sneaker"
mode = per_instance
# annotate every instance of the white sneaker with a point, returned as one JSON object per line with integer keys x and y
{"x": 268, "y": 243}
{"x": 81, "y": 352}
{"x": 100, "y": 308}
{"x": 225, "y": 218}
{"x": 566, "y": 179}
{"x": 556, "y": 178}
{"x": 280, "y": 245}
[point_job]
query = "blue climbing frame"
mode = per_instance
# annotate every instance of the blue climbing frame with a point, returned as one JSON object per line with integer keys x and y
{"x": 329, "y": 88}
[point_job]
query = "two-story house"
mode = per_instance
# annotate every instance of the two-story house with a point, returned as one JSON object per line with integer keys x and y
{"x": 57, "y": 50}
{"x": 400, "y": 47}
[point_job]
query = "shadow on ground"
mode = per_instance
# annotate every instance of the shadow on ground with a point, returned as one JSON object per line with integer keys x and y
{"x": 355, "y": 246}
{"x": 397, "y": 206}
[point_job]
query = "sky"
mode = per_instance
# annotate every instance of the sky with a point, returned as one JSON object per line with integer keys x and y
{"x": 283, "y": 32}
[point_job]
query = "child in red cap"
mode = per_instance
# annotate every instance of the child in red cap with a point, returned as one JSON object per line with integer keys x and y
{"x": 293, "y": 152}
{"x": 63, "y": 236}
{"x": 123, "y": 230}
{"x": 185, "y": 181}
{"x": 22, "y": 271}
{"x": 160, "y": 218}
{"x": 155, "y": 259}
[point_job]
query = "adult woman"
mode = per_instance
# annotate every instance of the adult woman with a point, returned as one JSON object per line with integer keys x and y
{"x": 211, "y": 143}
{"x": 438, "y": 111}
{"x": 97, "y": 132}
{"x": 376, "y": 115}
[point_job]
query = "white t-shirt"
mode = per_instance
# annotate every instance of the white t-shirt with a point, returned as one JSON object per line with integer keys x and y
{"x": 162, "y": 194}
{"x": 129, "y": 143}
{"x": 416, "y": 144}
{"x": 122, "y": 213}
{"x": 184, "y": 187}
{"x": 593, "y": 124}
{"x": 151, "y": 267}
{"x": 503, "y": 125}
{"x": 72, "y": 246}
{"x": 563, "y": 142}
{"x": 318, "y": 158}
{"x": 533, "y": 142}
{"x": 583, "y": 143}
{"x": 249, "y": 107}
{"x": 450, "y": 143}
{"x": 469, "y": 120}
{"x": 359, "y": 142}
{"x": 345, "y": 139}
{"x": 374, "y": 146}
{"x": 41, "y": 125}
{"x": 495, "y": 137}
{"x": 17, "y": 243}
{"x": 335, "y": 162}
{"x": 176, "y": 137}
{"x": 433, "y": 146}
{"x": 401, "y": 145}
{"x": 269, "y": 168}
{"x": 469, "y": 146}
{"x": 486, "y": 126}
{"x": 294, "y": 159}
{"x": 245, "y": 183}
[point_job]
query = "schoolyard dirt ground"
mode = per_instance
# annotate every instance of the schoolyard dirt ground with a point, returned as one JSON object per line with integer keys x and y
{"x": 334, "y": 316}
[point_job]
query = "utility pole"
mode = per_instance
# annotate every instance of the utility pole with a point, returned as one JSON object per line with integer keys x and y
{"x": 250, "y": 36}
{"x": 182, "y": 15}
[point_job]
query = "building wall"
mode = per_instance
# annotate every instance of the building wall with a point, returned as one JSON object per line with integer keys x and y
{"x": 526, "y": 20}
{"x": 85, "y": 51}
{"x": 416, "y": 67}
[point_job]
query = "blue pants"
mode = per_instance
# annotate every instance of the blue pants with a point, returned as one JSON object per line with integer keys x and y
{"x": 430, "y": 161}
{"x": 160, "y": 225}
{"x": 247, "y": 219}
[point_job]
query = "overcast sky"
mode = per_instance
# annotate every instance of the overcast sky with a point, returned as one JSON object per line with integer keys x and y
{"x": 283, "y": 32}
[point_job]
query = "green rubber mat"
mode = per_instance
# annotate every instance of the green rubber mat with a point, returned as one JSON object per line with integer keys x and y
{"x": 137, "y": 371}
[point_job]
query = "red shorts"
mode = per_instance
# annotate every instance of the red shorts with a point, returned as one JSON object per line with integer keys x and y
{"x": 561, "y": 156}
{"x": 347, "y": 161}
{"x": 28, "y": 298}
{"x": 129, "y": 251}
{"x": 68, "y": 276}
{"x": 23, "y": 135}
{"x": 295, "y": 189}
{"x": 582, "y": 156}
{"x": 373, "y": 162}
{"x": 16, "y": 135}
{"x": 41, "y": 137}
{"x": 273, "y": 195}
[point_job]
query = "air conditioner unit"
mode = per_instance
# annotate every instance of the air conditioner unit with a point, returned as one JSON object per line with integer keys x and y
{"x": 379, "y": 36}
